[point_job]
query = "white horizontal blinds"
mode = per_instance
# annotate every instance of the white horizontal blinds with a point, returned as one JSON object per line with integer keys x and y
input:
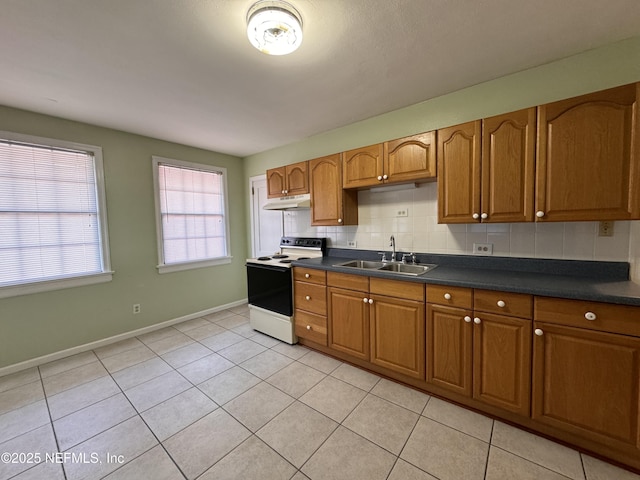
{"x": 192, "y": 210}
{"x": 49, "y": 225}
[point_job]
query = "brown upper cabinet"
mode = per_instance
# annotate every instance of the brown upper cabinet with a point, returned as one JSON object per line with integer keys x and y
{"x": 408, "y": 159}
{"x": 588, "y": 165}
{"x": 486, "y": 169}
{"x": 330, "y": 204}
{"x": 288, "y": 180}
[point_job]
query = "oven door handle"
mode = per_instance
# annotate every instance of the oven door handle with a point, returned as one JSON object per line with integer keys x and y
{"x": 267, "y": 267}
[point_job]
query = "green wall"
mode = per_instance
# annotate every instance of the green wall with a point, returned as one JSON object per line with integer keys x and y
{"x": 598, "y": 69}
{"x": 39, "y": 324}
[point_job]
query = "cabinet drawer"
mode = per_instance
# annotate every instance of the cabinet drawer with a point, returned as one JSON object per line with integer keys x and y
{"x": 605, "y": 317}
{"x": 504, "y": 303}
{"x": 350, "y": 282}
{"x": 310, "y": 275}
{"x": 310, "y": 297}
{"x": 397, "y": 288}
{"x": 451, "y": 296}
{"x": 311, "y": 326}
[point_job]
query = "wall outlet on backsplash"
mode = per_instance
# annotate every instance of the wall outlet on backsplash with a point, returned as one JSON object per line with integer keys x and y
{"x": 402, "y": 212}
{"x": 605, "y": 229}
{"x": 483, "y": 248}
{"x": 352, "y": 243}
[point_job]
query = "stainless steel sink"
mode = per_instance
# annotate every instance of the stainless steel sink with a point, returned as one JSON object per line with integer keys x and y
{"x": 390, "y": 267}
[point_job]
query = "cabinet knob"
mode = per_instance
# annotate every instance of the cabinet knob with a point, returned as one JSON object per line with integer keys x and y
{"x": 380, "y": 178}
{"x": 467, "y": 319}
{"x": 308, "y": 327}
{"x": 306, "y": 275}
{"x": 590, "y": 316}
{"x": 384, "y": 177}
{"x": 538, "y": 332}
{"x": 447, "y": 296}
{"x": 282, "y": 192}
{"x": 501, "y": 303}
{"x": 477, "y": 321}
{"x": 307, "y": 297}
{"x": 339, "y": 220}
{"x": 475, "y": 216}
{"x": 539, "y": 214}
{"x": 484, "y": 216}
{"x": 370, "y": 301}
{"x": 365, "y": 300}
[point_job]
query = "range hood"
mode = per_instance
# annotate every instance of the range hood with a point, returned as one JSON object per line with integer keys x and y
{"x": 295, "y": 202}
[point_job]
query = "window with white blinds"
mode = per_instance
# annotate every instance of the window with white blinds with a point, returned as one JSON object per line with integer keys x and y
{"x": 52, "y": 222}
{"x": 191, "y": 206}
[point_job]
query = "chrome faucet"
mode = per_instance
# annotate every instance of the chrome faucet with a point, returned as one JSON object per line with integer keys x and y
{"x": 392, "y": 244}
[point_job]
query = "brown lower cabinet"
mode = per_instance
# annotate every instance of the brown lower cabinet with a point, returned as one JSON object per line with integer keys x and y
{"x": 565, "y": 368}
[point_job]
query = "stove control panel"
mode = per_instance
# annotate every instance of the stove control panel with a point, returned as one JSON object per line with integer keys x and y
{"x": 304, "y": 242}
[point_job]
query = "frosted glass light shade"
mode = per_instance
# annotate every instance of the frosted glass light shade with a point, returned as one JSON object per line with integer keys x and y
{"x": 274, "y": 27}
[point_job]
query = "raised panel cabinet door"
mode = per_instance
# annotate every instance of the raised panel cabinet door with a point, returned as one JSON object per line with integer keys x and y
{"x": 362, "y": 167}
{"x": 410, "y": 158}
{"x": 276, "y": 182}
{"x": 502, "y": 362}
{"x": 297, "y": 179}
{"x": 588, "y": 166}
{"x": 330, "y": 205}
{"x": 449, "y": 348}
{"x": 508, "y": 166}
{"x": 587, "y": 383}
{"x": 348, "y": 322}
{"x": 398, "y": 335}
{"x": 459, "y": 173}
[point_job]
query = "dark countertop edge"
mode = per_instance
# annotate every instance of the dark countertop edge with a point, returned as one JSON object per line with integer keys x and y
{"x": 622, "y": 292}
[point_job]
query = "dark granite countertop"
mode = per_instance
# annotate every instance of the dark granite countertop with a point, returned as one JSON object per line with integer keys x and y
{"x": 580, "y": 280}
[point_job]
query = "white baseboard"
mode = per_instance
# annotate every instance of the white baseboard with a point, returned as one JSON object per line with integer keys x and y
{"x": 34, "y": 362}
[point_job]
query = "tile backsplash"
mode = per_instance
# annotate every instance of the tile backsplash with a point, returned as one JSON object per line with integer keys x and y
{"x": 419, "y": 231}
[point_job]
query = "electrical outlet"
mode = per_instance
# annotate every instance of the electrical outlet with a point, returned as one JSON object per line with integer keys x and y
{"x": 483, "y": 248}
{"x": 605, "y": 229}
{"x": 351, "y": 243}
{"x": 402, "y": 212}
{"x": 136, "y": 308}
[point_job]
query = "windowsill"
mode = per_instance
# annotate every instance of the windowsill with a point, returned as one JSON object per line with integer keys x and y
{"x": 178, "y": 267}
{"x": 58, "y": 284}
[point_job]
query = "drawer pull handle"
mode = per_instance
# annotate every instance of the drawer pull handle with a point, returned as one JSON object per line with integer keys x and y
{"x": 475, "y": 216}
{"x": 306, "y": 275}
{"x": 590, "y": 316}
{"x": 477, "y": 321}
{"x": 370, "y": 301}
{"x": 539, "y": 214}
{"x": 379, "y": 178}
{"x": 501, "y": 303}
{"x": 447, "y": 296}
{"x": 308, "y": 327}
{"x": 484, "y": 216}
{"x": 365, "y": 300}
{"x": 538, "y": 332}
{"x": 467, "y": 319}
{"x": 307, "y": 297}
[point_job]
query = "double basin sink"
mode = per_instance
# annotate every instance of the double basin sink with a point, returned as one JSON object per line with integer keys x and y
{"x": 391, "y": 267}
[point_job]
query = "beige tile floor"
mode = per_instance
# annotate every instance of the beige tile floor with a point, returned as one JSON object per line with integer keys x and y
{"x": 212, "y": 399}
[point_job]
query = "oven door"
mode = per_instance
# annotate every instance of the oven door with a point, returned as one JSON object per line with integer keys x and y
{"x": 270, "y": 288}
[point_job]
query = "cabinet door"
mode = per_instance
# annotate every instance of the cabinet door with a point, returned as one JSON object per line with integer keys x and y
{"x": 411, "y": 158}
{"x": 449, "y": 348}
{"x": 459, "y": 173}
{"x": 397, "y": 335}
{"x": 297, "y": 179}
{"x": 588, "y": 166}
{"x": 508, "y": 165}
{"x": 330, "y": 205}
{"x": 362, "y": 167}
{"x": 587, "y": 383}
{"x": 502, "y": 362}
{"x": 349, "y": 322}
{"x": 276, "y": 182}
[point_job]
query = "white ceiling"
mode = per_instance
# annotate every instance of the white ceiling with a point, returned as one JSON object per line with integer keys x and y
{"x": 184, "y": 71}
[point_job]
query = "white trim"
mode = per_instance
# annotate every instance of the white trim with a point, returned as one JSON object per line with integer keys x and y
{"x": 34, "y": 362}
{"x": 57, "y": 284}
{"x": 178, "y": 267}
{"x": 174, "y": 267}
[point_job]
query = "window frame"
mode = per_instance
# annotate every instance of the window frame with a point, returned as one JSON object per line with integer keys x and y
{"x": 192, "y": 264}
{"x": 106, "y": 275}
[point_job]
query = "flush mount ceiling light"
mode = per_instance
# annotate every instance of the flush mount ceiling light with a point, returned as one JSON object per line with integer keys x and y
{"x": 274, "y": 27}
